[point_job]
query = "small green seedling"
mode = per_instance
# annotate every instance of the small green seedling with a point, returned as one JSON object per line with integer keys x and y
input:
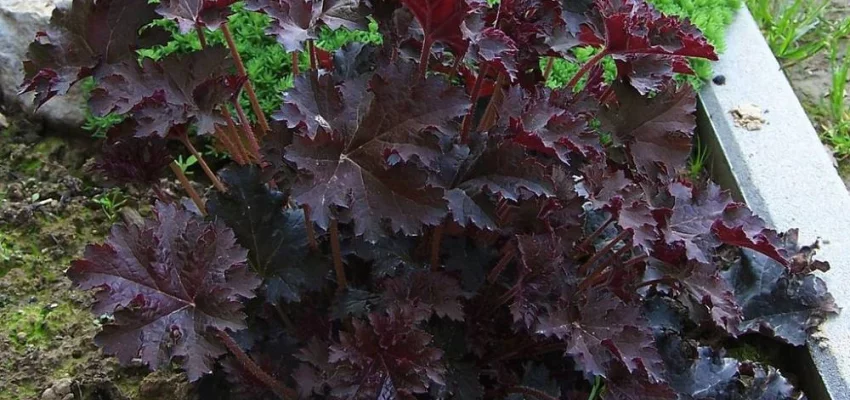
{"x": 185, "y": 164}
{"x": 111, "y": 202}
{"x": 698, "y": 161}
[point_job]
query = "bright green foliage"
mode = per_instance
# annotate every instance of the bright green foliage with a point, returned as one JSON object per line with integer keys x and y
{"x": 795, "y": 30}
{"x": 563, "y": 70}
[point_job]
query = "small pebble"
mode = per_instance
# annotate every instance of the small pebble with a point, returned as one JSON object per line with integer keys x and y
{"x": 719, "y": 80}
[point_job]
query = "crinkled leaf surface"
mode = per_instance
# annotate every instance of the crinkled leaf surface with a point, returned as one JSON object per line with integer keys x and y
{"x": 80, "y": 39}
{"x": 296, "y": 21}
{"x": 423, "y": 293}
{"x": 275, "y": 237}
{"x": 377, "y": 163}
{"x": 167, "y": 282}
{"x": 653, "y": 130}
{"x": 606, "y": 327}
{"x": 196, "y": 14}
{"x": 777, "y": 302}
{"x": 178, "y": 90}
{"x": 441, "y": 21}
{"x": 129, "y": 159}
{"x": 387, "y": 347}
{"x": 690, "y": 220}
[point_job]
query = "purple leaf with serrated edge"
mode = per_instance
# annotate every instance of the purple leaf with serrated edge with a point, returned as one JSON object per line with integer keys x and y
{"x": 606, "y": 327}
{"x": 178, "y": 90}
{"x": 129, "y": 159}
{"x": 490, "y": 46}
{"x": 296, "y": 21}
{"x": 196, "y": 14}
{"x": 388, "y": 346}
{"x": 376, "y": 163}
{"x": 441, "y": 21}
{"x": 423, "y": 293}
{"x": 167, "y": 283}
{"x": 80, "y": 40}
{"x": 653, "y": 130}
{"x": 689, "y": 222}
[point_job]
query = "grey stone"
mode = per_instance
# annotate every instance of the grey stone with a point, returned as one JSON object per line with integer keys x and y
{"x": 20, "y": 20}
{"x": 784, "y": 174}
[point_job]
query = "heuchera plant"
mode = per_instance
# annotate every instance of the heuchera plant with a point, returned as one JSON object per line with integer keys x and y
{"x": 424, "y": 218}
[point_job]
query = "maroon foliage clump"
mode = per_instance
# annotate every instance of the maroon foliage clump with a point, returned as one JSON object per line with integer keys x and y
{"x": 447, "y": 228}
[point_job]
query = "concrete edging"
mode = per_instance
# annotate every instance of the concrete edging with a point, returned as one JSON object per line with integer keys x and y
{"x": 784, "y": 173}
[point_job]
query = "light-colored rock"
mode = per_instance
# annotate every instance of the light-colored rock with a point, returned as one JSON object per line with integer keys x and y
{"x": 20, "y": 20}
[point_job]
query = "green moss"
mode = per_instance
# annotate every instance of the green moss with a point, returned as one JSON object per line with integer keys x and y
{"x": 37, "y": 324}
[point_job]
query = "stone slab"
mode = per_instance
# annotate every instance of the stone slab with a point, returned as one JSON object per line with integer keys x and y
{"x": 785, "y": 174}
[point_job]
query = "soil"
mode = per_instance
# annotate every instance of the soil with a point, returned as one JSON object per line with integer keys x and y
{"x": 812, "y": 79}
{"x": 47, "y": 216}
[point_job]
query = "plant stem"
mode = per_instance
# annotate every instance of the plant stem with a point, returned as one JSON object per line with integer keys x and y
{"x": 603, "y": 251}
{"x": 595, "y": 234}
{"x": 490, "y": 114}
{"x": 249, "y": 88}
{"x": 455, "y": 67}
{"x": 204, "y": 166}
{"x": 295, "y": 60}
{"x": 187, "y": 186}
{"x": 308, "y": 226}
{"x": 548, "y": 71}
{"x": 234, "y": 134}
{"x": 249, "y": 365}
{"x": 337, "y": 256}
{"x": 633, "y": 261}
{"x": 424, "y": 56}
{"x": 436, "y": 240}
{"x": 476, "y": 92}
{"x": 584, "y": 68}
{"x": 249, "y": 132}
{"x": 597, "y": 388}
{"x": 508, "y": 253}
{"x": 536, "y": 393}
{"x": 228, "y": 143}
{"x": 654, "y": 281}
{"x": 311, "y": 47}
{"x": 201, "y": 36}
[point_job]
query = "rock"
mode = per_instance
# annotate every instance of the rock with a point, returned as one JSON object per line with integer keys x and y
{"x": 48, "y": 394}
{"x": 20, "y": 20}
{"x": 4, "y": 123}
{"x": 61, "y": 390}
{"x": 748, "y": 116}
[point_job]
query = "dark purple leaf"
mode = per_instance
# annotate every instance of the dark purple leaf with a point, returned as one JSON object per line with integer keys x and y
{"x": 178, "y": 90}
{"x": 690, "y": 220}
{"x": 388, "y": 346}
{"x": 375, "y": 162}
{"x": 441, "y": 21}
{"x": 129, "y": 159}
{"x": 275, "y": 237}
{"x": 423, "y": 293}
{"x": 296, "y": 21}
{"x": 196, "y": 14}
{"x": 167, "y": 283}
{"x": 80, "y": 40}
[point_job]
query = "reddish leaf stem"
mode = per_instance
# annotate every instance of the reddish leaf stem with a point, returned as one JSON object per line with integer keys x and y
{"x": 508, "y": 253}
{"x": 308, "y": 225}
{"x": 476, "y": 92}
{"x": 455, "y": 68}
{"x": 296, "y": 55}
{"x": 249, "y": 132}
{"x": 548, "y": 71}
{"x": 586, "y": 242}
{"x": 337, "y": 256}
{"x": 311, "y": 47}
{"x": 235, "y": 136}
{"x": 603, "y": 251}
{"x": 584, "y": 68}
{"x": 184, "y": 138}
{"x": 249, "y": 88}
{"x": 187, "y": 186}
{"x": 536, "y": 393}
{"x": 252, "y": 368}
{"x": 436, "y": 241}
{"x": 424, "y": 56}
{"x": 201, "y": 36}
{"x": 490, "y": 113}
{"x": 635, "y": 260}
{"x": 229, "y": 145}
{"x": 669, "y": 281}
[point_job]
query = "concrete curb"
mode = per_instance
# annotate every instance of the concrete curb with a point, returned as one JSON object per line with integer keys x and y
{"x": 783, "y": 172}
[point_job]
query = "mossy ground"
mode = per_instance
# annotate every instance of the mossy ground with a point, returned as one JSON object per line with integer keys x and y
{"x": 47, "y": 216}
